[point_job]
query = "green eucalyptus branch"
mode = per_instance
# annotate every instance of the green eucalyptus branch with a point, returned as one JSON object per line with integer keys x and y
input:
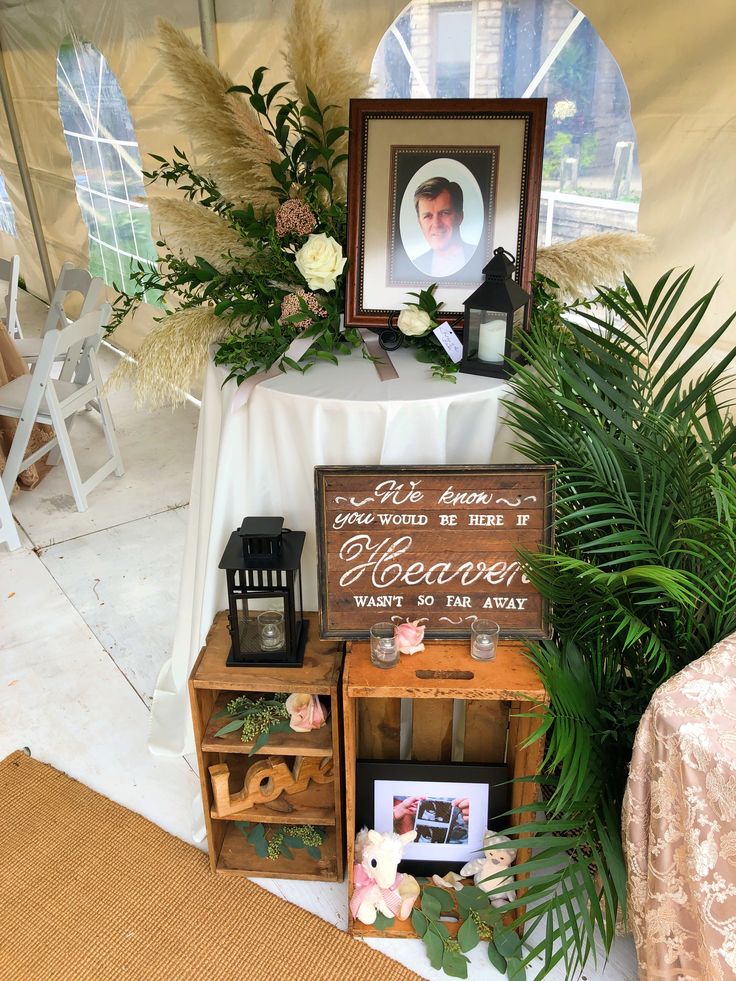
{"x": 478, "y": 922}
{"x": 257, "y": 718}
{"x": 274, "y": 841}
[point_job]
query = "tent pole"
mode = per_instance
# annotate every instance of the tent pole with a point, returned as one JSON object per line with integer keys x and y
{"x": 25, "y": 176}
{"x": 207, "y": 21}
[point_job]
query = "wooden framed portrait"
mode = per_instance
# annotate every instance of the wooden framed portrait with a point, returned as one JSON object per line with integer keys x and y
{"x": 434, "y": 186}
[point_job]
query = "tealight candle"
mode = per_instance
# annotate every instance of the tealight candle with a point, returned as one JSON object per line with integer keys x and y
{"x": 384, "y": 653}
{"x": 271, "y": 630}
{"x": 492, "y": 341}
{"x": 484, "y": 639}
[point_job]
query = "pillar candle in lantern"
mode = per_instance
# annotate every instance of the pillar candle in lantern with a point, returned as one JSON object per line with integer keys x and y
{"x": 492, "y": 340}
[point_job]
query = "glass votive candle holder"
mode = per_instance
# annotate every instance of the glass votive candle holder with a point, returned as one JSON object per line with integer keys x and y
{"x": 271, "y": 630}
{"x": 484, "y": 639}
{"x": 384, "y": 652}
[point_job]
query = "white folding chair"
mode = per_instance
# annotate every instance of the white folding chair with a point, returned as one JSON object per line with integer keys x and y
{"x": 9, "y": 270}
{"x": 71, "y": 280}
{"x": 40, "y": 398}
{"x": 8, "y": 531}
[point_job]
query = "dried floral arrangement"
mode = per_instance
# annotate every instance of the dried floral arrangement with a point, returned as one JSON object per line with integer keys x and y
{"x": 253, "y": 256}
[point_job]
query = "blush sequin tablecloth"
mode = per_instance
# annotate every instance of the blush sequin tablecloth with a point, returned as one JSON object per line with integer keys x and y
{"x": 679, "y": 825}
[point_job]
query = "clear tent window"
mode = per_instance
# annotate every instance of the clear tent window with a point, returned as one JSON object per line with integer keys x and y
{"x": 106, "y": 164}
{"x": 7, "y": 215}
{"x": 524, "y": 48}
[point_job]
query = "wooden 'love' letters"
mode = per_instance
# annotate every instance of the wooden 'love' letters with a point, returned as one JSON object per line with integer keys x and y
{"x": 267, "y": 780}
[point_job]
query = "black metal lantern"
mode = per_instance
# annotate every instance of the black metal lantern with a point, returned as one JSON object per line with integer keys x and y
{"x": 263, "y": 562}
{"x": 492, "y": 313}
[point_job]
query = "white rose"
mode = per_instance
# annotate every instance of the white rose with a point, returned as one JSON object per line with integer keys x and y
{"x": 414, "y": 322}
{"x": 320, "y": 261}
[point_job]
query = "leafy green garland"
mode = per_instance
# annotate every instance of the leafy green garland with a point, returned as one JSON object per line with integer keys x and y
{"x": 259, "y": 719}
{"x": 276, "y": 840}
{"x": 250, "y": 293}
{"x": 479, "y": 921}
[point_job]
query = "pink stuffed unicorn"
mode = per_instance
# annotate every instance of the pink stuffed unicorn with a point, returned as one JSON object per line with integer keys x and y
{"x": 377, "y": 885}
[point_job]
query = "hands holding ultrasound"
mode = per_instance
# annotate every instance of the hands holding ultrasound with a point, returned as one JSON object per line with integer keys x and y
{"x": 463, "y": 805}
{"x": 404, "y": 813}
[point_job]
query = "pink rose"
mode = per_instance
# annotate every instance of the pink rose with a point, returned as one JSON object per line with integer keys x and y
{"x": 409, "y": 637}
{"x": 305, "y": 712}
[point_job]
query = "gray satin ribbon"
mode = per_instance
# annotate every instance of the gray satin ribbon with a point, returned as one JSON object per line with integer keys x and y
{"x": 381, "y": 359}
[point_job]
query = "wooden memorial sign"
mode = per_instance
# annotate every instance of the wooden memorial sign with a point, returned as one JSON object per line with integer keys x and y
{"x": 438, "y": 544}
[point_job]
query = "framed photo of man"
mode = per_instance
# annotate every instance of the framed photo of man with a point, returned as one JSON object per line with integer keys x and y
{"x": 434, "y": 186}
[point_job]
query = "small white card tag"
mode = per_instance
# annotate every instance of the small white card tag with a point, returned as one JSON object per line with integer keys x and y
{"x": 449, "y": 341}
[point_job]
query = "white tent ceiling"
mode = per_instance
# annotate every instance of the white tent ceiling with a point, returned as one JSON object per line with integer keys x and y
{"x": 677, "y": 60}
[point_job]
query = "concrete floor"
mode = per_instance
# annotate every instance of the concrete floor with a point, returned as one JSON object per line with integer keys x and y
{"x": 87, "y": 609}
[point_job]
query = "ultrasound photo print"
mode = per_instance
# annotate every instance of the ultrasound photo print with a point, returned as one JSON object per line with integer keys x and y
{"x": 437, "y": 820}
{"x": 449, "y": 806}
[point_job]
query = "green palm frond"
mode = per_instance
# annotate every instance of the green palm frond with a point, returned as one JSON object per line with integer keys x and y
{"x": 644, "y": 577}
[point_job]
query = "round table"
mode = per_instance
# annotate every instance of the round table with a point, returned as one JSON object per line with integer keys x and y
{"x": 259, "y": 460}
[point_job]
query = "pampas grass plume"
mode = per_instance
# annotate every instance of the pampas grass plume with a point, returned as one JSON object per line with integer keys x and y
{"x": 593, "y": 260}
{"x": 191, "y": 230}
{"x": 223, "y": 126}
{"x": 318, "y": 58}
{"x": 172, "y": 358}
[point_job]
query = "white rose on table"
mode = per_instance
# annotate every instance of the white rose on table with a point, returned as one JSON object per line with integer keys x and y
{"x": 320, "y": 261}
{"x": 414, "y": 322}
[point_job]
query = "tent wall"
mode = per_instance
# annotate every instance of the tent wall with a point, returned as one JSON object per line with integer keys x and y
{"x": 677, "y": 62}
{"x": 123, "y": 30}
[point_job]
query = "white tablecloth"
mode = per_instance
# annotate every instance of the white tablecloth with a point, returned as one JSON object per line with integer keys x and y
{"x": 260, "y": 459}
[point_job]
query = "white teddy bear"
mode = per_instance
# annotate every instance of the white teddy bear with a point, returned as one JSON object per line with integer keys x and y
{"x": 493, "y": 861}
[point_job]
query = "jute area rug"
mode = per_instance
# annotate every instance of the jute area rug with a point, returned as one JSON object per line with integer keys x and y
{"x": 90, "y": 891}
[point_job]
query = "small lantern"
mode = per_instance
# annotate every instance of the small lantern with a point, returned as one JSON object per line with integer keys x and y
{"x": 263, "y": 561}
{"x": 492, "y": 313}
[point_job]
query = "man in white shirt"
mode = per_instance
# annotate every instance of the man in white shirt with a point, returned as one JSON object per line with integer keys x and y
{"x": 439, "y": 207}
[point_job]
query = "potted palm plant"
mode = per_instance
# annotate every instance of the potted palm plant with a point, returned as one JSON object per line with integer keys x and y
{"x": 643, "y": 580}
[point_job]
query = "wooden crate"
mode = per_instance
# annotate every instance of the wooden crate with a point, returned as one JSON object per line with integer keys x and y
{"x": 493, "y": 693}
{"x": 211, "y": 685}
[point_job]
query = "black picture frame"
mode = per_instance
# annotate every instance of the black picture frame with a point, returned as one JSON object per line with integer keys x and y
{"x": 377, "y": 782}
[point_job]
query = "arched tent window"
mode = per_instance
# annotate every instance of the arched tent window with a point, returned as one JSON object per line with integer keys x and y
{"x": 7, "y": 215}
{"x": 528, "y": 48}
{"x": 106, "y": 163}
